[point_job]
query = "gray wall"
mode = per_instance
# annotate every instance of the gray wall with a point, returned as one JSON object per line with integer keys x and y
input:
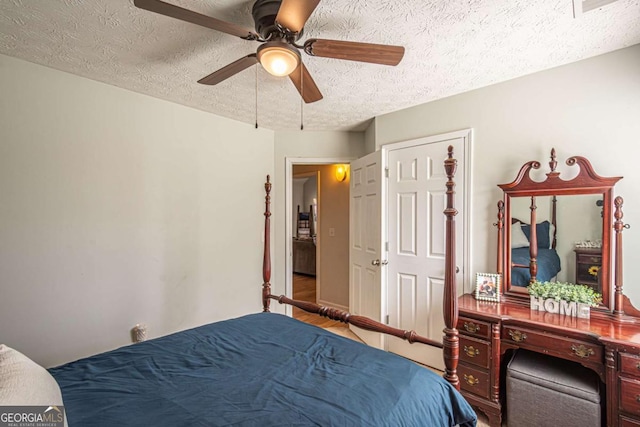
{"x": 117, "y": 209}
{"x": 589, "y": 108}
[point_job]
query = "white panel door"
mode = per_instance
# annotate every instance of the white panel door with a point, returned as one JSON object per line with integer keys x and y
{"x": 367, "y": 294}
{"x": 416, "y": 201}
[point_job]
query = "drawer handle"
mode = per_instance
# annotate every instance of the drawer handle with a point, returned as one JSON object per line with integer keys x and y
{"x": 638, "y": 366}
{"x": 471, "y": 380}
{"x": 582, "y": 351}
{"x": 517, "y": 336}
{"x": 638, "y": 398}
{"x": 471, "y": 327}
{"x": 471, "y": 351}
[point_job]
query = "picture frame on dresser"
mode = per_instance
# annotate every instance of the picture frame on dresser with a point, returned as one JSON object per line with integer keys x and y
{"x": 488, "y": 287}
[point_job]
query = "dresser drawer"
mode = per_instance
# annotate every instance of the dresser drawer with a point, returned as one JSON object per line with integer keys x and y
{"x": 474, "y": 351}
{"x": 474, "y": 380}
{"x": 566, "y": 348}
{"x": 629, "y": 364}
{"x": 474, "y": 328}
{"x": 595, "y": 259}
{"x": 628, "y": 422}
{"x": 630, "y": 395}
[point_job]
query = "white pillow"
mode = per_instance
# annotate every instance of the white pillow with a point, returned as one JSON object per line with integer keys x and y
{"x": 518, "y": 238}
{"x": 25, "y": 383}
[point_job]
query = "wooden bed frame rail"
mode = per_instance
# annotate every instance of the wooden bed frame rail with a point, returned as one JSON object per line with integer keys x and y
{"x": 355, "y": 320}
{"x": 450, "y": 343}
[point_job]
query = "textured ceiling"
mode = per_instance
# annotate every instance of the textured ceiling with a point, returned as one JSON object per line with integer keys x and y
{"x": 451, "y": 47}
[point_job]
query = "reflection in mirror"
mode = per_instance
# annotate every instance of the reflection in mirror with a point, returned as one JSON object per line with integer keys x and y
{"x": 568, "y": 241}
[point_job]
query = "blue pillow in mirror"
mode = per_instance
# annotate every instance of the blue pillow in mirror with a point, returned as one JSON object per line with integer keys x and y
{"x": 542, "y": 233}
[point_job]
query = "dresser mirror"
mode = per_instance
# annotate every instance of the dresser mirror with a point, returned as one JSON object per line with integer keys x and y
{"x": 571, "y": 239}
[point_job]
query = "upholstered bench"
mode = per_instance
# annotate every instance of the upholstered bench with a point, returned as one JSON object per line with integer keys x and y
{"x": 547, "y": 391}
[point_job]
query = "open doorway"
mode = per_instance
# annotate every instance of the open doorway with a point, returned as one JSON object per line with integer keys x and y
{"x": 318, "y": 236}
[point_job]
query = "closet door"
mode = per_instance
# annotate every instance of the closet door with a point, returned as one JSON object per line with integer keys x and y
{"x": 416, "y": 201}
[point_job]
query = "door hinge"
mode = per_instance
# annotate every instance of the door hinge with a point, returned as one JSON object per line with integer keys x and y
{"x": 386, "y": 246}
{"x": 387, "y": 320}
{"x": 386, "y": 172}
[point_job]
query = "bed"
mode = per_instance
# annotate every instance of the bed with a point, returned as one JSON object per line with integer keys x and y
{"x": 261, "y": 369}
{"x": 269, "y": 369}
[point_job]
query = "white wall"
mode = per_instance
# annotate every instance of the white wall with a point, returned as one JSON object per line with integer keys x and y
{"x": 302, "y": 144}
{"x": 589, "y": 108}
{"x": 116, "y": 209}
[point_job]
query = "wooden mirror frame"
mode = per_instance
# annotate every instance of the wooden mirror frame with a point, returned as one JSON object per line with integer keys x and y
{"x": 586, "y": 182}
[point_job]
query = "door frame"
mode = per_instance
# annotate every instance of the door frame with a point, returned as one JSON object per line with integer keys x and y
{"x": 288, "y": 189}
{"x": 463, "y": 175}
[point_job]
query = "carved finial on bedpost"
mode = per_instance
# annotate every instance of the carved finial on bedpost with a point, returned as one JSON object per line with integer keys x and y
{"x": 266, "y": 260}
{"x": 553, "y": 163}
{"x": 618, "y": 226}
{"x": 450, "y": 340}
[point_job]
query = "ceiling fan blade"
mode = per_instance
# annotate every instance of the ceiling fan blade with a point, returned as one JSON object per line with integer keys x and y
{"x": 177, "y": 12}
{"x": 305, "y": 84}
{"x": 354, "y": 51}
{"x": 293, "y": 14}
{"x": 229, "y": 70}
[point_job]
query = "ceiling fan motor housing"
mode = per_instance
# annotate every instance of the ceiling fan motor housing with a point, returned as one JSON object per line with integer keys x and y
{"x": 264, "y": 15}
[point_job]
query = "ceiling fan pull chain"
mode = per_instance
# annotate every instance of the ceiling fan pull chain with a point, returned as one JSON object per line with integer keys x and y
{"x": 301, "y": 99}
{"x": 256, "y": 67}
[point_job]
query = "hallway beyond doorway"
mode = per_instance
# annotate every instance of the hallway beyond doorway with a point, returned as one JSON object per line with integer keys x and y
{"x": 304, "y": 289}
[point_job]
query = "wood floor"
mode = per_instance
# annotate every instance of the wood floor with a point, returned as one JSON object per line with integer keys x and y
{"x": 304, "y": 289}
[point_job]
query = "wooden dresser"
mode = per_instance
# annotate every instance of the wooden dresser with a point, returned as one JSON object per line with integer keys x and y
{"x": 490, "y": 332}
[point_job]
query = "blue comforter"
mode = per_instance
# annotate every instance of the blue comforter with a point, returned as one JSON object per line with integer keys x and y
{"x": 548, "y": 265}
{"x": 258, "y": 370}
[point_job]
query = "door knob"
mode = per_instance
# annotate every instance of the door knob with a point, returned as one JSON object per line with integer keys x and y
{"x": 375, "y": 262}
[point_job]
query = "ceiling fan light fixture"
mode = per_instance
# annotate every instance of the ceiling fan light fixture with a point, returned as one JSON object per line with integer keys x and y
{"x": 278, "y": 58}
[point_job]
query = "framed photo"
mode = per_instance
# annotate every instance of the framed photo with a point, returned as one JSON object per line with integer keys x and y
{"x": 488, "y": 286}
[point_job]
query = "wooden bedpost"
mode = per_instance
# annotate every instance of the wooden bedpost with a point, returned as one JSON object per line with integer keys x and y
{"x": 266, "y": 260}
{"x": 618, "y": 226}
{"x": 450, "y": 340}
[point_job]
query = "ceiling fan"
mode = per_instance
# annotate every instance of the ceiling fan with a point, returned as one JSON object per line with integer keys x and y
{"x": 279, "y": 25}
